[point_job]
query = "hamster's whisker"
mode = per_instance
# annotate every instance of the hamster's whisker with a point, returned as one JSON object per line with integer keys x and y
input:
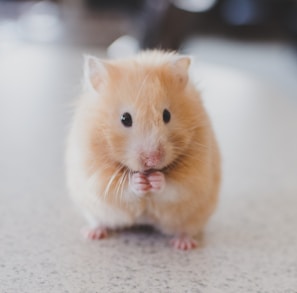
{"x": 123, "y": 182}
{"x": 116, "y": 189}
{"x": 180, "y": 159}
{"x": 119, "y": 184}
{"x": 192, "y": 158}
{"x": 111, "y": 180}
{"x": 196, "y": 144}
{"x": 200, "y": 145}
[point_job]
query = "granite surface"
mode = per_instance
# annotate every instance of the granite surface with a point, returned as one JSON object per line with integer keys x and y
{"x": 250, "y": 244}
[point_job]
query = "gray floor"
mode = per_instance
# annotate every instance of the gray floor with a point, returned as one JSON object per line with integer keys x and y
{"x": 248, "y": 246}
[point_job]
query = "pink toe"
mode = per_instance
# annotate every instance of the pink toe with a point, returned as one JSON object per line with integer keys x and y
{"x": 95, "y": 233}
{"x": 183, "y": 243}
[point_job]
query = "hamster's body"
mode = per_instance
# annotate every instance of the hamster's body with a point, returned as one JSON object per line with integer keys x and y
{"x": 141, "y": 148}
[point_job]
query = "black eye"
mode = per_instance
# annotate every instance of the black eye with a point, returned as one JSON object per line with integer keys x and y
{"x": 166, "y": 116}
{"x": 126, "y": 119}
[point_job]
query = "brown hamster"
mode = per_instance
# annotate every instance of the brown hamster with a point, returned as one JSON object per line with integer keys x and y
{"x": 141, "y": 148}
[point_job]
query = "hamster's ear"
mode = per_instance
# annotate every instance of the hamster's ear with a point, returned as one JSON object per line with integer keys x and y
{"x": 180, "y": 65}
{"x": 95, "y": 73}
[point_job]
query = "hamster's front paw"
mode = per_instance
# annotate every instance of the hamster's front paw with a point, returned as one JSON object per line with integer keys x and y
{"x": 156, "y": 181}
{"x": 139, "y": 183}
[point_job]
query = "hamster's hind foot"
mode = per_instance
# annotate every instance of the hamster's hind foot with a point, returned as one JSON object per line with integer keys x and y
{"x": 97, "y": 233}
{"x": 183, "y": 242}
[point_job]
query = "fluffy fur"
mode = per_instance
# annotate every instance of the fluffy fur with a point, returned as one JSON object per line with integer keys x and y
{"x": 106, "y": 160}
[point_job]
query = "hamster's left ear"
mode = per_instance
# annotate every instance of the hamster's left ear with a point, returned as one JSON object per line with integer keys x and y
{"x": 95, "y": 73}
{"x": 180, "y": 65}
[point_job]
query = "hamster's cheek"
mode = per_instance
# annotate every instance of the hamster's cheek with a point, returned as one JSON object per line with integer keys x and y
{"x": 170, "y": 152}
{"x": 131, "y": 159}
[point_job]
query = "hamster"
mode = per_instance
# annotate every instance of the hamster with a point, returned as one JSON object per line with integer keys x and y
{"x": 141, "y": 148}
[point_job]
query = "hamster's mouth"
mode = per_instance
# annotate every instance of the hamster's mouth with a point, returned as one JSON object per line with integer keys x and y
{"x": 145, "y": 171}
{"x": 163, "y": 169}
{"x": 151, "y": 170}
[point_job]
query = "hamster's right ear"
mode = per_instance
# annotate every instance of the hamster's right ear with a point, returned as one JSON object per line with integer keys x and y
{"x": 95, "y": 73}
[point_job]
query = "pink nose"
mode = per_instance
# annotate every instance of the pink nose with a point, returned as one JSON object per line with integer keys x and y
{"x": 152, "y": 159}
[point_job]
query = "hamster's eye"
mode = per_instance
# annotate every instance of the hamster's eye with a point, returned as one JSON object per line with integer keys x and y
{"x": 166, "y": 116}
{"x": 126, "y": 119}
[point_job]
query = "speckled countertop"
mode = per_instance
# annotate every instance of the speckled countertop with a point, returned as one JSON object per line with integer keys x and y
{"x": 250, "y": 245}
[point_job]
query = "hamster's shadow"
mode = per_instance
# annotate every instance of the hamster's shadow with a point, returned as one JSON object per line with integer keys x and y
{"x": 140, "y": 232}
{"x": 145, "y": 236}
{"x": 140, "y": 229}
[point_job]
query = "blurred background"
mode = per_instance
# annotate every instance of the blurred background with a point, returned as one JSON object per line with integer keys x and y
{"x": 259, "y": 36}
{"x": 153, "y": 23}
{"x": 256, "y": 36}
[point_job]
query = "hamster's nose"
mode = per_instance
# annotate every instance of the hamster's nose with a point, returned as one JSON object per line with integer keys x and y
{"x": 152, "y": 159}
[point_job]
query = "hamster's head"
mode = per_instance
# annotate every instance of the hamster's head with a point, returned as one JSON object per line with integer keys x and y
{"x": 145, "y": 109}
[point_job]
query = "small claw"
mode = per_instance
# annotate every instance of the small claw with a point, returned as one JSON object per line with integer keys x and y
{"x": 95, "y": 233}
